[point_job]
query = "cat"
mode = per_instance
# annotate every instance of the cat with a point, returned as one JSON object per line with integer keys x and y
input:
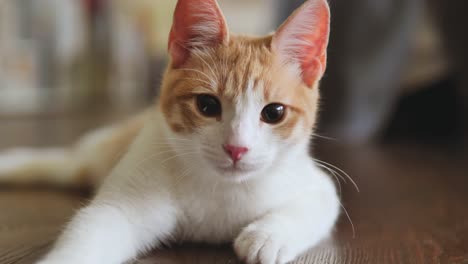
{"x": 223, "y": 156}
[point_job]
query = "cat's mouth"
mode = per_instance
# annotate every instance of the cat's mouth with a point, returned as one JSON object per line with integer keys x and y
{"x": 236, "y": 170}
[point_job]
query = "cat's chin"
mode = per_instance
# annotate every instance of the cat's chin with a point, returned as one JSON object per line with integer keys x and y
{"x": 237, "y": 177}
{"x": 237, "y": 173}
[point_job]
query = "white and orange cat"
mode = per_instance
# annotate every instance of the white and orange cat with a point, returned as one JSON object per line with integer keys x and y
{"x": 223, "y": 156}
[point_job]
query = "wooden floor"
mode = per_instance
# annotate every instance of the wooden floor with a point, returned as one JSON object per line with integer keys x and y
{"x": 412, "y": 206}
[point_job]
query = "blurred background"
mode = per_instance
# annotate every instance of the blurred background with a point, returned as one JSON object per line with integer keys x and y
{"x": 397, "y": 68}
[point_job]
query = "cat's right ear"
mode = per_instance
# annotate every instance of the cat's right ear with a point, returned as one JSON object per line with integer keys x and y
{"x": 303, "y": 39}
{"x": 197, "y": 24}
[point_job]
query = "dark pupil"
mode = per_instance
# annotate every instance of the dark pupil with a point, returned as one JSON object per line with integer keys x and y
{"x": 208, "y": 105}
{"x": 273, "y": 113}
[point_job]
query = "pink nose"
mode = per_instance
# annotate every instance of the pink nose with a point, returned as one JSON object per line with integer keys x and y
{"x": 235, "y": 152}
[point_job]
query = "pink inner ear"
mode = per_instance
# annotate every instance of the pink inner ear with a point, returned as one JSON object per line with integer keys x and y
{"x": 197, "y": 24}
{"x": 303, "y": 39}
{"x": 313, "y": 69}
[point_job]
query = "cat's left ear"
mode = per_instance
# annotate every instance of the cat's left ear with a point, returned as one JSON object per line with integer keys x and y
{"x": 197, "y": 24}
{"x": 303, "y": 39}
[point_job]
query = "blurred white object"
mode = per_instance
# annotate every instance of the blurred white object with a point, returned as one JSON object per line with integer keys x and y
{"x": 18, "y": 60}
{"x": 69, "y": 26}
{"x": 37, "y": 37}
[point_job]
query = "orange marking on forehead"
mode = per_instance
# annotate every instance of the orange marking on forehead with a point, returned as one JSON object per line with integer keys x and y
{"x": 245, "y": 61}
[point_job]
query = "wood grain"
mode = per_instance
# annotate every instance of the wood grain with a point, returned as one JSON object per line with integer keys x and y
{"x": 412, "y": 207}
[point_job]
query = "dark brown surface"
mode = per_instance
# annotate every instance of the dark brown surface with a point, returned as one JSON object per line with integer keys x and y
{"x": 412, "y": 208}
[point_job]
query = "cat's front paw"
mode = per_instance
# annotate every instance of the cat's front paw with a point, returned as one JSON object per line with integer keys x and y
{"x": 255, "y": 246}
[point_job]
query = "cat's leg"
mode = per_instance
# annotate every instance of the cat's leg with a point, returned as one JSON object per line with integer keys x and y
{"x": 115, "y": 230}
{"x": 284, "y": 233}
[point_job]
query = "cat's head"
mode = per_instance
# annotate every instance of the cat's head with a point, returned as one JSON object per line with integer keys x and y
{"x": 242, "y": 103}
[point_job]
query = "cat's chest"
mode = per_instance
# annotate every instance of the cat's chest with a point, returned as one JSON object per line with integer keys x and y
{"x": 217, "y": 216}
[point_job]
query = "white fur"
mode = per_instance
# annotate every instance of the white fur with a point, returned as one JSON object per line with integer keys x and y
{"x": 168, "y": 187}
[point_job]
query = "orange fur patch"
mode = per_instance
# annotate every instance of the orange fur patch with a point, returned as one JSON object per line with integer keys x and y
{"x": 225, "y": 71}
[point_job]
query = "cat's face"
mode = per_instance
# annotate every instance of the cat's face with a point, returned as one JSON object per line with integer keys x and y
{"x": 240, "y": 104}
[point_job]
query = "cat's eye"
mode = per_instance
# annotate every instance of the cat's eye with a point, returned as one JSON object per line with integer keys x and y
{"x": 208, "y": 105}
{"x": 273, "y": 113}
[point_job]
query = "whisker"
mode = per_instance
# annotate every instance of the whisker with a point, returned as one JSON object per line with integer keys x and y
{"x": 331, "y": 170}
{"x": 334, "y": 175}
{"x": 340, "y": 170}
{"x": 349, "y": 218}
{"x": 178, "y": 155}
{"x": 323, "y": 137}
